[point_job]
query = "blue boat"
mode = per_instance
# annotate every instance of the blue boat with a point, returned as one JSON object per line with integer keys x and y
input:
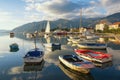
{"x": 34, "y": 55}
{"x": 14, "y": 47}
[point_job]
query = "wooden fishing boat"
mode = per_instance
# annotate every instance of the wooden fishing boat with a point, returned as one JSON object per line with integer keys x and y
{"x": 94, "y": 56}
{"x": 76, "y": 63}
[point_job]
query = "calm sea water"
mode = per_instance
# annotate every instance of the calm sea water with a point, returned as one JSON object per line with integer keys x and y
{"x": 12, "y": 66}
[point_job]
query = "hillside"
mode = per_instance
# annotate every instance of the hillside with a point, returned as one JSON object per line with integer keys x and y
{"x": 113, "y": 18}
{"x": 62, "y": 23}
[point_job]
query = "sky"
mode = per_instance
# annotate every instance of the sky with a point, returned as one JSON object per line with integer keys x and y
{"x": 14, "y": 13}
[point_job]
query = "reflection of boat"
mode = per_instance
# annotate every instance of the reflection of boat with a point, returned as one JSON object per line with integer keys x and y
{"x": 92, "y": 45}
{"x": 51, "y": 46}
{"x": 29, "y": 35}
{"x": 14, "y": 50}
{"x": 73, "y": 74}
{"x": 93, "y": 55}
{"x": 34, "y": 67}
{"x": 14, "y": 47}
{"x": 103, "y": 65}
{"x": 47, "y": 30}
{"x": 12, "y": 34}
{"x": 60, "y": 32}
{"x": 34, "y": 55}
{"x": 76, "y": 63}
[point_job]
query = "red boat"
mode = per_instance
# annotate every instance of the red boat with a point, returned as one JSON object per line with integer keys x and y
{"x": 94, "y": 55}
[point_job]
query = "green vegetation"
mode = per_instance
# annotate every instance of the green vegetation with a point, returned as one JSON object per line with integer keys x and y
{"x": 106, "y": 30}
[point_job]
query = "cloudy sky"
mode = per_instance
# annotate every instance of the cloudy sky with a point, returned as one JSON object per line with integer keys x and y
{"x": 14, "y": 13}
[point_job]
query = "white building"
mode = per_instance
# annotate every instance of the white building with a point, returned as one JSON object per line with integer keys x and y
{"x": 100, "y": 26}
{"x": 115, "y": 25}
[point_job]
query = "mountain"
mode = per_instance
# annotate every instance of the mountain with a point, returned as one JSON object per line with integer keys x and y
{"x": 64, "y": 23}
{"x": 4, "y": 31}
{"x": 113, "y": 18}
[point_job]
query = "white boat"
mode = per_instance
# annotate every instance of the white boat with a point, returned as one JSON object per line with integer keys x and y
{"x": 73, "y": 38}
{"x": 47, "y": 30}
{"x": 76, "y": 63}
{"x": 34, "y": 56}
{"x": 91, "y": 37}
{"x": 52, "y": 46}
{"x": 103, "y": 65}
{"x": 101, "y": 40}
{"x": 92, "y": 45}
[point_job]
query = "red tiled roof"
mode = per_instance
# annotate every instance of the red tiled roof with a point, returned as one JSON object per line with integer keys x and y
{"x": 116, "y": 23}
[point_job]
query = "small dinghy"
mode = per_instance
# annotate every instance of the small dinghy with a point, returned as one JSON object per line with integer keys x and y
{"x": 94, "y": 55}
{"x": 14, "y": 47}
{"x": 34, "y": 55}
{"x": 76, "y": 63}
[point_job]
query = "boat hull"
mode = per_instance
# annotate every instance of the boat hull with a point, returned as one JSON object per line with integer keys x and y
{"x": 90, "y": 58}
{"x": 33, "y": 60}
{"x": 73, "y": 67}
{"x": 34, "y": 56}
{"x": 82, "y": 46}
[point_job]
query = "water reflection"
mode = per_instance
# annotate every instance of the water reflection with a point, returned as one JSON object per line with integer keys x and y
{"x": 12, "y": 68}
{"x": 34, "y": 68}
{"x": 28, "y": 67}
{"x": 103, "y": 65}
{"x": 14, "y": 50}
{"x": 73, "y": 74}
{"x": 12, "y": 35}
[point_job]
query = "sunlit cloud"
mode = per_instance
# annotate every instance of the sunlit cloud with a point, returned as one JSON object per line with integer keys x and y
{"x": 5, "y": 16}
{"x": 68, "y": 9}
{"x": 55, "y": 9}
{"x": 38, "y": 10}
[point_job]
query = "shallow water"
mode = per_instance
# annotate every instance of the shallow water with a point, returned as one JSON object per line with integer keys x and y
{"x": 12, "y": 66}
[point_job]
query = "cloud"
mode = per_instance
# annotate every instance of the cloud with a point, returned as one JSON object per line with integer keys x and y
{"x": 37, "y": 10}
{"x": 68, "y": 9}
{"x": 5, "y": 16}
{"x": 9, "y": 20}
{"x": 57, "y": 8}
{"x": 111, "y": 6}
{"x": 15, "y": 70}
